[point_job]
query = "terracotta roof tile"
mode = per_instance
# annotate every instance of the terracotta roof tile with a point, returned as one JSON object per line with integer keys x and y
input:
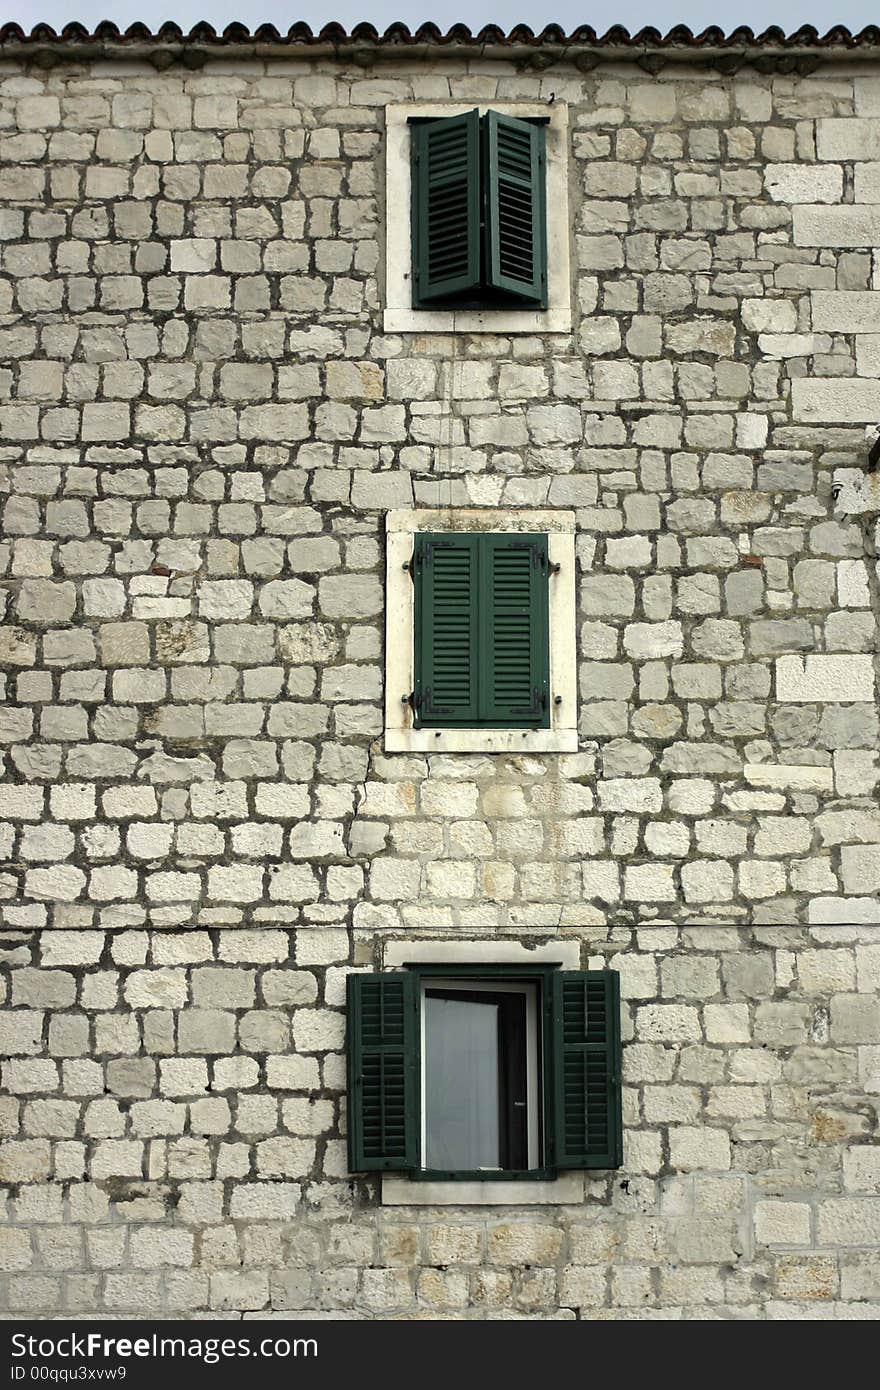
{"x": 108, "y": 35}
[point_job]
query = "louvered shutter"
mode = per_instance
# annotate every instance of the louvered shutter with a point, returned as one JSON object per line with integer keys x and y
{"x": 586, "y": 1068}
{"x": 514, "y": 635}
{"x": 382, "y": 1047}
{"x": 516, "y": 260}
{"x": 446, "y": 207}
{"x": 446, "y": 572}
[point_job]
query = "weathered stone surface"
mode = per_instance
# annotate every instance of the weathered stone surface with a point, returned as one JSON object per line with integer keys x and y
{"x": 836, "y": 401}
{"x": 838, "y": 226}
{"x": 825, "y": 678}
{"x": 846, "y": 311}
{"x": 804, "y": 183}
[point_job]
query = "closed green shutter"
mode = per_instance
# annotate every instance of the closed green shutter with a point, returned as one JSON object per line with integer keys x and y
{"x": 481, "y": 631}
{"x": 516, "y": 260}
{"x": 446, "y": 576}
{"x": 445, "y": 207}
{"x": 383, "y": 1060}
{"x": 586, "y": 1069}
{"x": 514, "y": 663}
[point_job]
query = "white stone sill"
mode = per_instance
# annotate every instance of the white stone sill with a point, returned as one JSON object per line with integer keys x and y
{"x": 477, "y": 321}
{"x": 566, "y": 1190}
{"x": 481, "y": 741}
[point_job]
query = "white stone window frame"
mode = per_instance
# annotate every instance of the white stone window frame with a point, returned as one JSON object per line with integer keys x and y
{"x": 402, "y": 527}
{"x": 399, "y": 315}
{"x": 568, "y": 1188}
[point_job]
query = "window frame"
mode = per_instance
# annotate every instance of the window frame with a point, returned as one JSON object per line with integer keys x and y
{"x": 401, "y": 733}
{"x": 566, "y": 1188}
{"x": 562, "y": 1176}
{"x": 487, "y": 289}
{"x": 482, "y": 551}
{"x": 466, "y": 979}
{"x": 399, "y": 315}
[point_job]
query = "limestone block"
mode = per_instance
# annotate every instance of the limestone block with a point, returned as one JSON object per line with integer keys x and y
{"x": 850, "y": 1221}
{"x": 840, "y": 227}
{"x": 769, "y": 315}
{"x": 693, "y": 1149}
{"x": 781, "y": 345}
{"x": 782, "y": 1223}
{"x": 846, "y": 311}
{"x": 804, "y": 183}
{"x": 193, "y": 256}
{"x": 848, "y": 137}
{"x": 651, "y": 640}
{"x": 836, "y": 400}
{"x": 788, "y": 776}
{"x": 822, "y": 679}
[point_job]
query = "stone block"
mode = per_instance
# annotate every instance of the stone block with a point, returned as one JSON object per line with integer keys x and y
{"x": 848, "y": 137}
{"x": 821, "y": 679}
{"x": 846, "y": 311}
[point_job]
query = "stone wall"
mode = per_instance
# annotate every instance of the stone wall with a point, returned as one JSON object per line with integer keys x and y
{"x": 202, "y": 425}
{"x": 176, "y": 1098}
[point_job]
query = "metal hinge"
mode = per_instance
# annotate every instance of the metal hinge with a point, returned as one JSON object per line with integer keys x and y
{"x": 421, "y": 558}
{"x": 539, "y": 559}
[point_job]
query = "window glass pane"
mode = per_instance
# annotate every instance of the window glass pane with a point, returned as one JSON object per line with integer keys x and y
{"x": 461, "y": 1083}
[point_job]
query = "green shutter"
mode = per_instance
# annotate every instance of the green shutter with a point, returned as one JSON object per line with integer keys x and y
{"x": 586, "y": 1068}
{"x": 383, "y": 1060}
{"x": 516, "y": 259}
{"x": 514, "y": 631}
{"x": 445, "y": 573}
{"x": 445, "y": 208}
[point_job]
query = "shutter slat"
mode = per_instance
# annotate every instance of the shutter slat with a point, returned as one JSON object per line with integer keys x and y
{"x": 446, "y": 208}
{"x": 516, "y": 260}
{"x": 586, "y": 1066}
{"x": 382, "y": 1060}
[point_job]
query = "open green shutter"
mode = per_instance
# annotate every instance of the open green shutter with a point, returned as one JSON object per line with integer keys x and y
{"x": 383, "y": 1060}
{"x": 514, "y": 631}
{"x": 586, "y": 1069}
{"x": 445, "y": 573}
{"x": 445, "y": 207}
{"x": 516, "y": 260}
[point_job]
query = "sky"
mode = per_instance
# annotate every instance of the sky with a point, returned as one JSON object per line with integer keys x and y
{"x": 662, "y": 14}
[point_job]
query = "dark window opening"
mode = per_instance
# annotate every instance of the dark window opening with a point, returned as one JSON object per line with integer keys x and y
{"x": 476, "y": 1104}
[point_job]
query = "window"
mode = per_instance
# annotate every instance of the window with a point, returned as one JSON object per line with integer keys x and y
{"x": 488, "y": 1074}
{"x": 476, "y": 201}
{"x": 478, "y": 212}
{"x": 479, "y": 1076}
{"x": 480, "y": 632}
